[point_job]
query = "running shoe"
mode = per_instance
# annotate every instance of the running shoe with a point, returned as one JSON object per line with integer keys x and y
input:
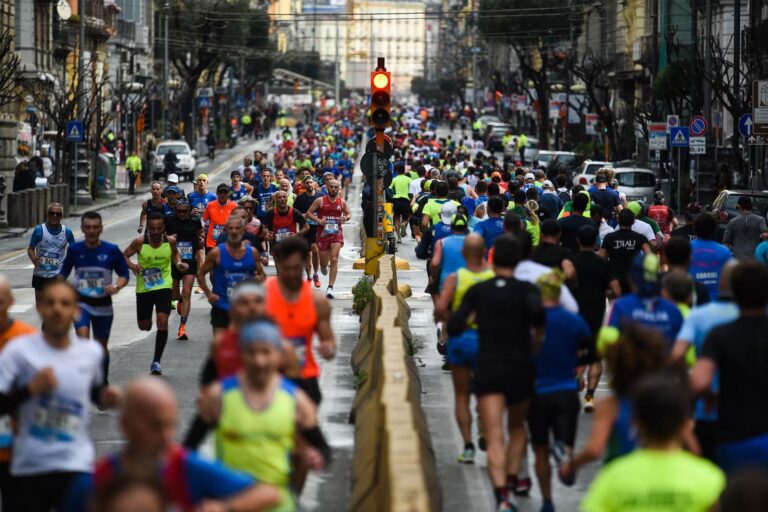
{"x": 547, "y": 506}
{"x": 589, "y": 404}
{"x": 198, "y": 290}
{"x": 467, "y": 456}
{"x": 316, "y": 280}
{"x": 175, "y": 305}
{"x": 399, "y": 239}
{"x": 522, "y": 486}
{"x": 324, "y": 270}
{"x": 329, "y": 292}
{"x": 403, "y": 229}
{"x": 507, "y": 506}
{"x": 156, "y": 369}
{"x": 182, "y": 335}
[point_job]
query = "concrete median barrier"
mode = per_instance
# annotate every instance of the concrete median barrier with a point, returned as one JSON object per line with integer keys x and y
{"x": 394, "y": 464}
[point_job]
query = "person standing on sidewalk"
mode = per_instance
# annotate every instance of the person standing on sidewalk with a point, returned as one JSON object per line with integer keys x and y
{"x": 745, "y": 231}
{"x": 48, "y": 247}
{"x": 133, "y": 166}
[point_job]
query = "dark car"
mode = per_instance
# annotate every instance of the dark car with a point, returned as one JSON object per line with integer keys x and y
{"x": 724, "y": 206}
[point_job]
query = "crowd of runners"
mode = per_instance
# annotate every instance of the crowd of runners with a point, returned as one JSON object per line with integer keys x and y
{"x": 259, "y": 389}
{"x": 542, "y": 290}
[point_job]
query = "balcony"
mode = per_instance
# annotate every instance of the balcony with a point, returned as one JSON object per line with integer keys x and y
{"x": 101, "y": 19}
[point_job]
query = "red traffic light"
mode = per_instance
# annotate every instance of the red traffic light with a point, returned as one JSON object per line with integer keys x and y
{"x": 380, "y": 80}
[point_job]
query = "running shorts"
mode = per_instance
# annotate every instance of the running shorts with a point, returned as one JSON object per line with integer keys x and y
{"x": 100, "y": 325}
{"x": 555, "y": 412}
{"x": 38, "y": 283}
{"x": 514, "y": 380}
{"x": 324, "y": 242}
{"x": 177, "y": 274}
{"x": 219, "y": 317}
{"x": 160, "y": 300}
{"x": 311, "y": 235}
{"x": 462, "y": 349}
{"x": 401, "y": 207}
{"x": 312, "y": 388}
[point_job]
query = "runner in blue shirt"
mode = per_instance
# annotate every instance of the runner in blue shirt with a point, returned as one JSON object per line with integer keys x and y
{"x": 492, "y": 227}
{"x": 643, "y": 305}
{"x": 264, "y": 194}
{"x": 707, "y": 256}
{"x": 200, "y": 198}
{"x": 94, "y": 261}
{"x": 47, "y": 248}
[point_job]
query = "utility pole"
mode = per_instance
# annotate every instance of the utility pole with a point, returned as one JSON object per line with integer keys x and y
{"x": 336, "y": 92}
{"x": 708, "y": 60}
{"x": 166, "y": 78}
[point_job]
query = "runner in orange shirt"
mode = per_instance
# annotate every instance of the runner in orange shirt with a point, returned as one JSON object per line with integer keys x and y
{"x": 9, "y": 329}
{"x": 216, "y": 215}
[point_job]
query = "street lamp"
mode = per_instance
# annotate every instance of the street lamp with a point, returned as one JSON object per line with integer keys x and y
{"x": 133, "y": 94}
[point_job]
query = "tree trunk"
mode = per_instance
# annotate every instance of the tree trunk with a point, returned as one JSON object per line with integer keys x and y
{"x": 542, "y": 92}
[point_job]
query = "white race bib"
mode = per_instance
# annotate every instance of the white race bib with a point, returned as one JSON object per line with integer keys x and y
{"x": 56, "y": 418}
{"x": 331, "y": 227}
{"x": 185, "y": 250}
{"x": 153, "y": 277}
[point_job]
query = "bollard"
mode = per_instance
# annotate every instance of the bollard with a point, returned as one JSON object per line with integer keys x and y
{"x": 25, "y": 209}
{"x": 47, "y": 198}
{"x": 41, "y": 205}
{"x": 13, "y": 210}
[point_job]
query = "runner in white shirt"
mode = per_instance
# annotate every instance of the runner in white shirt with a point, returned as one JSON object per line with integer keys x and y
{"x": 48, "y": 380}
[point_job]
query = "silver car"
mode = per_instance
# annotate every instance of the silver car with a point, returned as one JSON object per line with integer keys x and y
{"x": 638, "y": 184}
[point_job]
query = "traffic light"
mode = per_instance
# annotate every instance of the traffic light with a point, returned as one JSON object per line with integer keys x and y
{"x": 381, "y": 82}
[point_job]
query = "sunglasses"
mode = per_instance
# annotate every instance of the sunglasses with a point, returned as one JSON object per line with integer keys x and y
{"x": 248, "y": 207}
{"x": 55, "y": 214}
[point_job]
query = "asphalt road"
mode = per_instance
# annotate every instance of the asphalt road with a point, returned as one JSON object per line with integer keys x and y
{"x": 464, "y": 487}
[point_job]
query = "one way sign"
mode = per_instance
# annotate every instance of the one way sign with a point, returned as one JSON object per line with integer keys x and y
{"x": 75, "y": 131}
{"x": 679, "y": 137}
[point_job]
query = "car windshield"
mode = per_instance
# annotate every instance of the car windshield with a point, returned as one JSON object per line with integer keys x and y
{"x": 636, "y": 179}
{"x": 759, "y": 203}
{"x": 178, "y": 149}
{"x": 593, "y": 168}
{"x": 545, "y": 157}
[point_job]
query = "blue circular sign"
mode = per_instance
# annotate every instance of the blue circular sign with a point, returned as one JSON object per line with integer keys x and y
{"x": 698, "y": 126}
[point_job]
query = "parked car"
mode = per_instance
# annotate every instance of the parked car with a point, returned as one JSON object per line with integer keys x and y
{"x": 186, "y": 165}
{"x": 587, "y": 171}
{"x": 724, "y": 206}
{"x": 638, "y": 184}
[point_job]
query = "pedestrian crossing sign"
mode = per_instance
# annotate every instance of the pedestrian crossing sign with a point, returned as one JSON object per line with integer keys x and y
{"x": 75, "y": 131}
{"x": 679, "y": 137}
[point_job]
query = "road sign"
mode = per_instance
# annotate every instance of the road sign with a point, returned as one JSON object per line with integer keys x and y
{"x": 745, "y": 125}
{"x": 673, "y": 121}
{"x": 679, "y": 137}
{"x": 203, "y": 102}
{"x": 698, "y": 145}
{"x": 757, "y": 140}
{"x": 389, "y": 150}
{"x": 382, "y": 166}
{"x": 657, "y": 136}
{"x": 699, "y": 126}
{"x": 760, "y": 107}
{"x": 591, "y": 120}
{"x": 75, "y": 131}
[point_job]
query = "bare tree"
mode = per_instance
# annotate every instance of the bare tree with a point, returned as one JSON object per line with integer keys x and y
{"x": 9, "y": 69}
{"x": 59, "y": 104}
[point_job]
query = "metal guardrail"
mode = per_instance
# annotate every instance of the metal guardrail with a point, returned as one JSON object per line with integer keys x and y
{"x": 393, "y": 467}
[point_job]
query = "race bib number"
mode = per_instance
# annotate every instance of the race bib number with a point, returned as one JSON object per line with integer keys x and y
{"x": 282, "y": 233}
{"x": 91, "y": 284}
{"x": 218, "y": 229}
{"x": 232, "y": 279}
{"x": 331, "y": 227}
{"x": 299, "y": 344}
{"x": 153, "y": 277}
{"x": 185, "y": 250}
{"x": 49, "y": 261}
{"x": 56, "y": 418}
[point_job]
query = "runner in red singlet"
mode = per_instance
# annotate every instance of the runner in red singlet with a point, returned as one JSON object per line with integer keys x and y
{"x": 330, "y": 212}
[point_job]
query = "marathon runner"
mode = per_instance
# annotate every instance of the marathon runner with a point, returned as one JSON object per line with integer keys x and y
{"x": 621, "y": 247}
{"x": 260, "y": 415}
{"x": 401, "y": 201}
{"x": 228, "y": 263}
{"x": 200, "y": 198}
{"x": 10, "y": 328}
{"x": 300, "y": 313}
{"x": 47, "y": 380}
{"x": 48, "y": 247}
{"x": 329, "y": 212}
{"x": 156, "y": 255}
{"x": 94, "y": 261}
{"x": 462, "y": 349}
{"x": 504, "y": 372}
{"x": 155, "y": 204}
{"x": 264, "y": 193}
{"x": 283, "y": 221}
{"x": 216, "y": 215}
{"x": 302, "y": 204}
{"x": 238, "y": 189}
{"x": 188, "y": 481}
{"x": 187, "y": 231}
